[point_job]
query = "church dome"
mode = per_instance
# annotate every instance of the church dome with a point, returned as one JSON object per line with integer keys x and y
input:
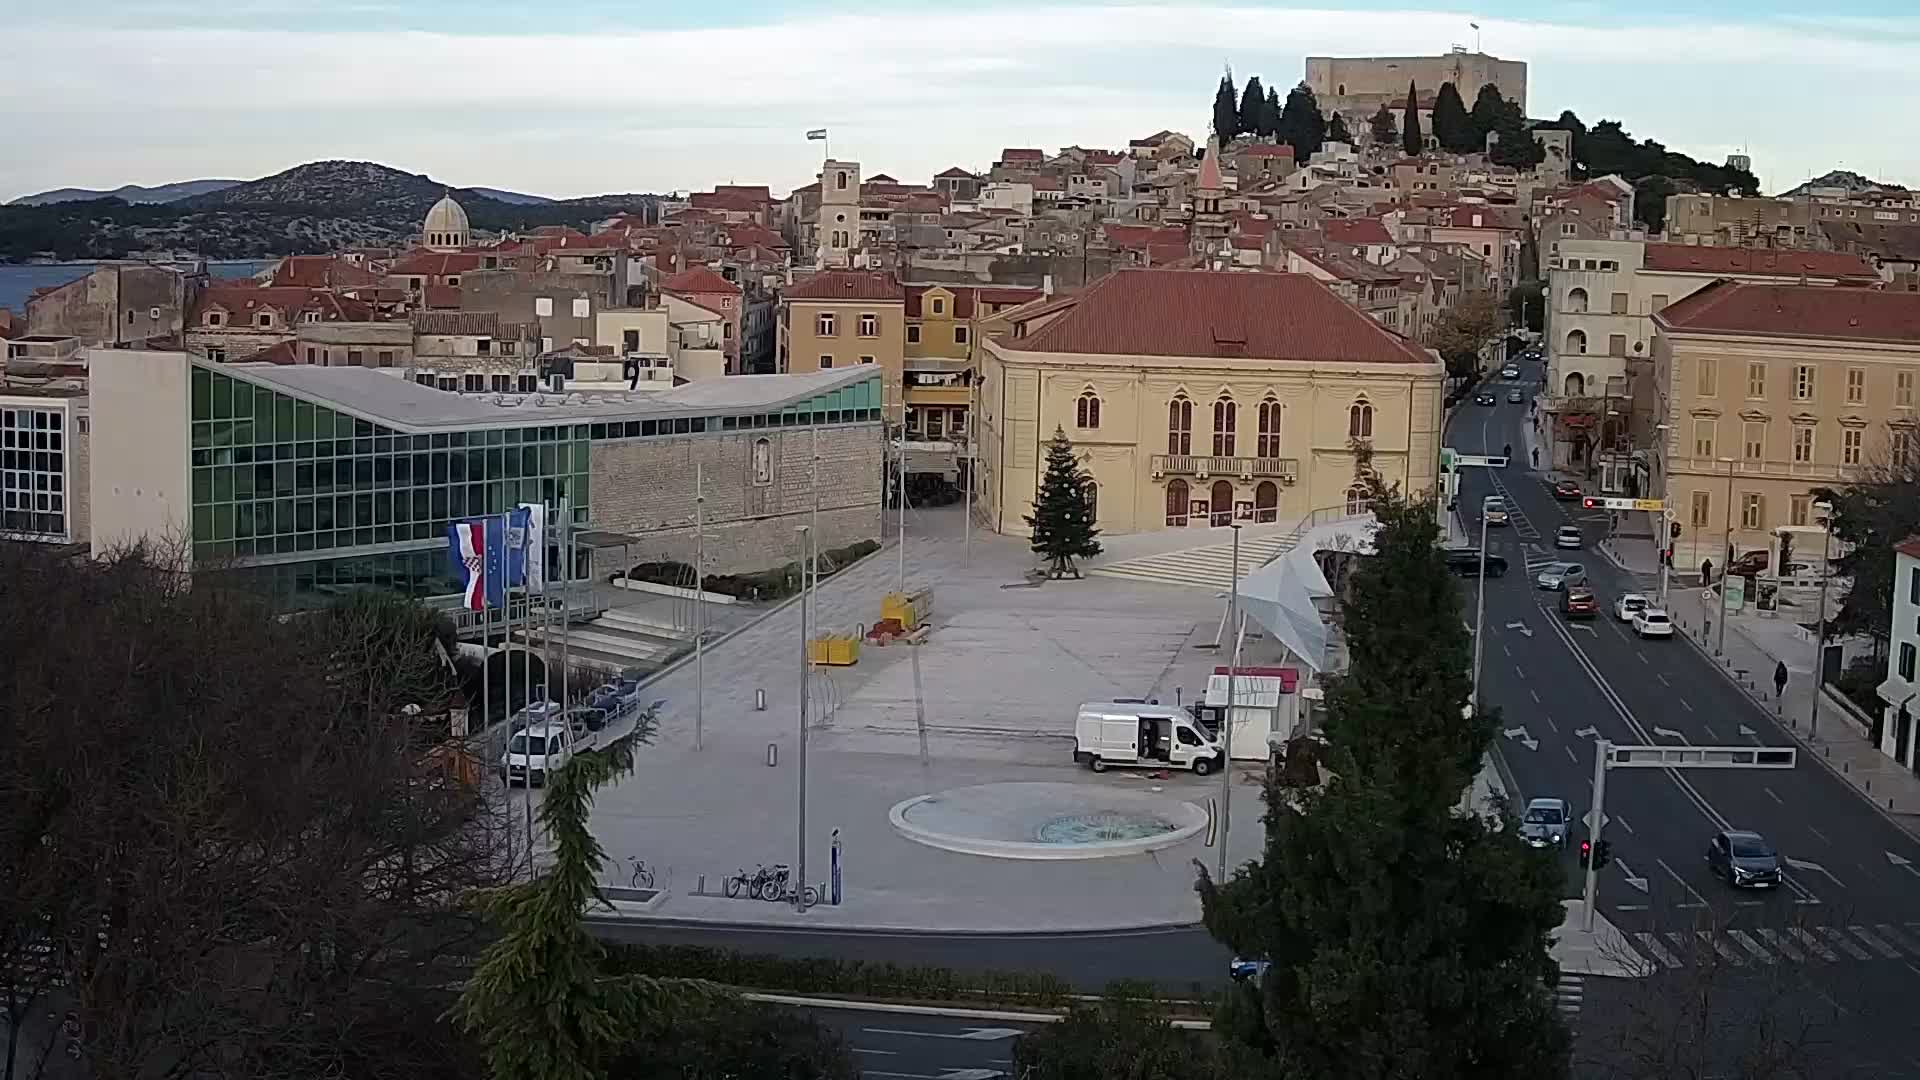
{"x": 446, "y": 225}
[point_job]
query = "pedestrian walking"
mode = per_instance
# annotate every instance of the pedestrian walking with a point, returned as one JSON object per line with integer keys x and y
{"x": 1706, "y": 572}
{"x": 1779, "y": 679}
{"x": 1536, "y": 456}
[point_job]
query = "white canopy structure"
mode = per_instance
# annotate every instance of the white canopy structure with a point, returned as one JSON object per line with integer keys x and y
{"x": 1281, "y": 595}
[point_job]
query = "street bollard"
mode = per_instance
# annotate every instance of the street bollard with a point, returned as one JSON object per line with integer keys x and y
{"x": 1843, "y": 767}
{"x": 1869, "y": 787}
{"x": 700, "y": 887}
{"x": 773, "y": 755}
{"x": 760, "y": 700}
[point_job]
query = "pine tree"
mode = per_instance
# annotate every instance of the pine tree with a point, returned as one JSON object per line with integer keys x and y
{"x": 1301, "y": 124}
{"x": 1486, "y": 112}
{"x": 1451, "y": 126}
{"x": 1062, "y": 518}
{"x": 1385, "y": 131}
{"x": 1226, "y": 115}
{"x": 1270, "y": 115}
{"x": 1516, "y": 145}
{"x": 1253, "y": 103}
{"x": 1406, "y": 938}
{"x": 1337, "y": 130}
{"x": 1410, "y": 138}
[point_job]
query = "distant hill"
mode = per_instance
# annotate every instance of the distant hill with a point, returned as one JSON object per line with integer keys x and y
{"x": 1845, "y": 179}
{"x": 132, "y": 194}
{"x": 317, "y": 207}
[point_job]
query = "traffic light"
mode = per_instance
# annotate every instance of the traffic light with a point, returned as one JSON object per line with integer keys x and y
{"x": 1590, "y": 502}
{"x": 1603, "y": 855}
{"x": 1586, "y": 851}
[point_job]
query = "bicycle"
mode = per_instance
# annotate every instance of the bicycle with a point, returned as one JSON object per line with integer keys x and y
{"x": 749, "y": 885}
{"x": 773, "y": 885}
{"x": 642, "y": 877}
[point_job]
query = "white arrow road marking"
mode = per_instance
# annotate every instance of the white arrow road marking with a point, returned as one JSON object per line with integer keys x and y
{"x": 1669, "y": 733}
{"x": 1521, "y": 734}
{"x": 1584, "y": 626}
{"x": 1587, "y": 732}
{"x": 1814, "y": 867}
{"x": 1520, "y": 626}
{"x": 1637, "y": 882}
{"x": 1903, "y": 864}
{"x": 974, "y": 1034}
{"x": 1747, "y": 733}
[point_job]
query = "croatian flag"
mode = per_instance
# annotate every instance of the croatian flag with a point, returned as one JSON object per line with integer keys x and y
{"x": 467, "y": 545}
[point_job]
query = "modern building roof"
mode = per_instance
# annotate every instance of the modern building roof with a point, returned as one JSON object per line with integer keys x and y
{"x": 1687, "y": 258}
{"x": 1886, "y": 242}
{"x": 1365, "y": 230}
{"x": 846, "y": 285}
{"x": 1808, "y": 312}
{"x": 392, "y": 401}
{"x": 1225, "y": 315}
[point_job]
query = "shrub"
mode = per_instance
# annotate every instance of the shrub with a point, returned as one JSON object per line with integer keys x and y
{"x": 776, "y": 583}
{"x": 829, "y": 975}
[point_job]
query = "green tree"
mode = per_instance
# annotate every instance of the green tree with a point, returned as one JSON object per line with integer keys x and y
{"x": 1253, "y": 103}
{"x": 1337, "y": 130}
{"x": 1062, "y": 518}
{"x": 1406, "y": 938}
{"x": 1870, "y": 515}
{"x": 1385, "y": 131}
{"x": 1301, "y": 124}
{"x": 540, "y": 1001}
{"x": 1226, "y": 114}
{"x": 1451, "y": 125}
{"x": 1516, "y": 145}
{"x": 1411, "y": 139}
{"x": 1527, "y": 305}
{"x": 1486, "y": 112}
{"x": 1461, "y": 333}
{"x": 1270, "y": 113}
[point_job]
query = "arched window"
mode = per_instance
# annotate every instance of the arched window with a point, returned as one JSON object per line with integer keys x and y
{"x": 1226, "y": 416}
{"x": 1086, "y": 411}
{"x": 1220, "y": 504}
{"x": 1268, "y": 445}
{"x": 1577, "y": 301}
{"x": 840, "y": 180}
{"x": 1180, "y": 426}
{"x": 1358, "y": 502}
{"x": 1266, "y": 502}
{"x": 1576, "y": 385}
{"x": 1177, "y": 504}
{"x": 1092, "y": 488}
{"x": 1577, "y": 341}
{"x": 1360, "y": 420}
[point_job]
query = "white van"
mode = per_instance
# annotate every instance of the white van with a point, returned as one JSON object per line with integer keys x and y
{"x": 1145, "y": 736}
{"x": 540, "y": 749}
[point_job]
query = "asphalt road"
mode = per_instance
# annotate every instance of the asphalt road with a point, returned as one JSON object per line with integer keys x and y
{"x": 1845, "y": 929}
{"x": 897, "y": 1046}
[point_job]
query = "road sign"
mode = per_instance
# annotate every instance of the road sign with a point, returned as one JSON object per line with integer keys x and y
{"x": 1602, "y": 502}
{"x": 1701, "y": 757}
{"x": 1494, "y": 461}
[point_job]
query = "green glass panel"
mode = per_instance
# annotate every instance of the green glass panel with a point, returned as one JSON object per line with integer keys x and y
{"x": 243, "y": 520}
{"x": 223, "y": 523}
{"x": 202, "y": 486}
{"x": 202, "y": 394}
{"x": 243, "y": 431}
{"x": 202, "y": 433}
{"x": 263, "y": 416}
{"x": 243, "y": 482}
{"x": 549, "y": 460}
{"x": 323, "y": 422}
{"x": 242, "y": 398}
{"x": 303, "y": 420}
{"x": 222, "y": 483}
{"x": 283, "y": 430}
{"x": 222, "y": 397}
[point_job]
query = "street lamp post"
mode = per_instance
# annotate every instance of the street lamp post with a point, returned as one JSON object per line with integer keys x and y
{"x": 1226, "y": 725}
{"x": 1480, "y": 609}
{"x": 1666, "y": 512}
{"x": 699, "y": 605}
{"x": 1720, "y": 646}
{"x": 1820, "y": 634}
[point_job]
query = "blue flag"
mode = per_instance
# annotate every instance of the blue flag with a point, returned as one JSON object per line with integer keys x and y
{"x": 496, "y": 562}
{"x": 519, "y": 537}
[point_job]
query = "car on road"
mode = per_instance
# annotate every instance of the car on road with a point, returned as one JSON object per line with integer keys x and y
{"x": 1568, "y": 536}
{"x": 1240, "y": 969}
{"x": 1466, "y": 562}
{"x": 1578, "y": 602}
{"x": 1511, "y": 371}
{"x": 1515, "y": 397}
{"x": 1494, "y": 510}
{"x": 1744, "y": 859}
{"x": 1545, "y": 823}
{"x": 1560, "y": 575}
{"x": 1751, "y": 562}
{"x": 1566, "y": 491}
{"x": 1629, "y": 605}
{"x": 1653, "y": 623}
{"x": 1483, "y": 399}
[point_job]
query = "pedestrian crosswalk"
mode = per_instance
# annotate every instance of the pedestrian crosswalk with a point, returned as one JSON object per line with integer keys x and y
{"x": 1762, "y": 945}
{"x": 1568, "y": 994}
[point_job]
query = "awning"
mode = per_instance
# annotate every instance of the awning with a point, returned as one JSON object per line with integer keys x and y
{"x": 1280, "y": 595}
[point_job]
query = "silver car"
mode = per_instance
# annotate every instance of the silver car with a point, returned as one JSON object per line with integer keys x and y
{"x": 1559, "y": 575}
{"x": 1545, "y": 823}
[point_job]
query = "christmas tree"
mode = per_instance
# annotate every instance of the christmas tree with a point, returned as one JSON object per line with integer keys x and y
{"x": 1062, "y": 518}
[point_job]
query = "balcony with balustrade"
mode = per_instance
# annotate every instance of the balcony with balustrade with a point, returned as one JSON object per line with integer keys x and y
{"x": 1204, "y": 466}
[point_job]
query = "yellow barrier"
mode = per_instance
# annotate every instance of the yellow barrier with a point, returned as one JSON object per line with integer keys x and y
{"x": 911, "y": 609}
{"x": 835, "y": 650}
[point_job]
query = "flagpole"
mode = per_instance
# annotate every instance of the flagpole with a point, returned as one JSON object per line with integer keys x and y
{"x": 546, "y": 679}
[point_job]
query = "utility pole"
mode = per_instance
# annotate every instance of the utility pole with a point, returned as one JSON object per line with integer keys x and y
{"x": 901, "y": 461}
{"x": 1480, "y": 612}
{"x": 1820, "y": 634}
{"x": 810, "y": 581}
{"x": 1720, "y": 646}
{"x": 699, "y": 604}
{"x": 1226, "y": 725}
{"x": 1595, "y": 824}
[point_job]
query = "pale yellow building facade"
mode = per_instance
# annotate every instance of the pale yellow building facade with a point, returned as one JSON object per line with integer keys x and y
{"x": 1195, "y": 399}
{"x": 843, "y": 318}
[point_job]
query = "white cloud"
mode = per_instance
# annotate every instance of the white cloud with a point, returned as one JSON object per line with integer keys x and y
{"x": 576, "y": 113}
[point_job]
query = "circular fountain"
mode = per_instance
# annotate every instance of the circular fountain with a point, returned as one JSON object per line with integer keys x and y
{"x": 1047, "y": 820}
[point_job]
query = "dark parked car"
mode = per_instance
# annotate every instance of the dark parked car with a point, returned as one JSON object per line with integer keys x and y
{"x": 1466, "y": 562}
{"x": 1745, "y": 859}
{"x": 1578, "y": 603}
{"x": 1751, "y": 562}
{"x": 1566, "y": 490}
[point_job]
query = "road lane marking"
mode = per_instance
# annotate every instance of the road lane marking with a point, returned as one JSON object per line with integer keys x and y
{"x": 1875, "y": 943}
{"x": 1630, "y": 907}
{"x": 1887, "y": 931}
{"x": 1570, "y": 754}
{"x": 1813, "y": 944}
{"x": 1643, "y": 657}
{"x": 1726, "y": 952}
{"x": 1508, "y": 651}
{"x": 1772, "y": 796}
{"x": 1683, "y": 946}
{"x": 1711, "y": 737}
{"x": 1833, "y": 934}
{"x": 1684, "y": 705}
{"x": 1781, "y": 944}
{"x": 1821, "y": 835}
{"x": 883, "y": 1053}
{"x": 1550, "y": 723}
{"x": 1622, "y": 822}
{"x": 1746, "y": 942}
{"x": 1662, "y": 678}
{"x": 1535, "y": 693}
{"x": 1700, "y": 901}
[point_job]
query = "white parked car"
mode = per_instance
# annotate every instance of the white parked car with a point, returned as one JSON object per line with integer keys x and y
{"x": 1629, "y": 605}
{"x": 1560, "y": 575}
{"x": 1652, "y": 622}
{"x": 1568, "y": 536}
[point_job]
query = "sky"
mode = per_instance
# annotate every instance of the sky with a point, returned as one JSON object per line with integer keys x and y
{"x": 578, "y": 97}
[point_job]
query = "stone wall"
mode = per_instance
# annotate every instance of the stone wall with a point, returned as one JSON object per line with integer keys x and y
{"x": 645, "y": 488}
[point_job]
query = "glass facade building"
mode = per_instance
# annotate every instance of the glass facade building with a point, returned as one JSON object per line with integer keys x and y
{"x": 297, "y": 492}
{"x": 33, "y": 470}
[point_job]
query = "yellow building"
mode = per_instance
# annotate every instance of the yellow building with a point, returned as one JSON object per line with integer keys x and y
{"x": 840, "y": 318}
{"x": 945, "y": 325}
{"x": 1196, "y": 398}
{"x": 1767, "y": 391}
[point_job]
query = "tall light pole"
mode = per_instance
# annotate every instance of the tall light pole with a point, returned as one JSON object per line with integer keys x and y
{"x": 1480, "y": 610}
{"x": 699, "y": 604}
{"x": 1720, "y": 646}
{"x": 1666, "y": 513}
{"x": 800, "y": 840}
{"x": 1226, "y": 725}
{"x": 1820, "y": 635}
{"x": 902, "y": 461}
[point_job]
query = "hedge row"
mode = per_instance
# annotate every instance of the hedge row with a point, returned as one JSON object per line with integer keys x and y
{"x": 825, "y": 975}
{"x": 777, "y": 583}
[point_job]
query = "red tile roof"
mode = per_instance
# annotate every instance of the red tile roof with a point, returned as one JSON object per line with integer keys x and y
{"x": 726, "y": 200}
{"x": 1210, "y": 171}
{"x": 699, "y": 279}
{"x": 1823, "y": 312}
{"x": 1357, "y": 231}
{"x": 1910, "y": 547}
{"x": 1104, "y": 157}
{"x": 243, "y": 300}
{"x": 280, "y": 352}
{"x": 966, "y": 298}
{"x": 846, "y": 285}
{"x": 1773, "y": 262}
{"x": 1140, "y": 237}
{"x": 322, "y": 272}
{"x": 457, "y": 323}
{"x": 434, "y": 263}
{"x": 955, "y": 173}
{"x": 1021, "y": 154}
{"x": 443, "y": 297}
{"x": 1202, "y": 313}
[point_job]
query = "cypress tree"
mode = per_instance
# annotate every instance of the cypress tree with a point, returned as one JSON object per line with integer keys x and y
{"x": 1337, "y": 130}
{"x": 1486, "y": 112}
{"x": 1226, "y": 115}
{"x": 1451, "y": 126}
{"x": 1384, "y": 129}
{"x": 1410, "y": 138}
{"x": 1301, "y": 124}
{"x": 1062, "y": 518}
{"x": 1270, "y": 113}
{"x": 1253, "y": 103}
